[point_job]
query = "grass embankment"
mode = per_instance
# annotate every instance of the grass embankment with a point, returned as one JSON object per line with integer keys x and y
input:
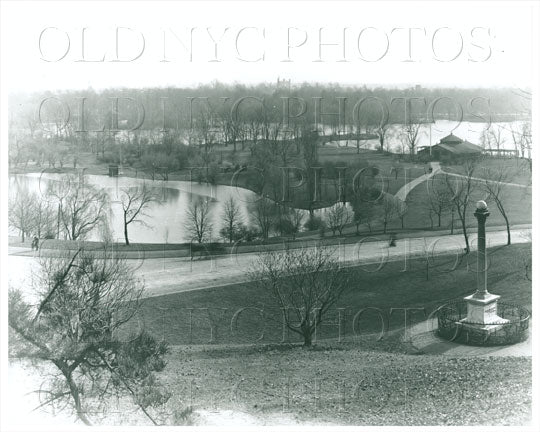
{"x": 358, "y": 380}
{"x": 242, "y": 313}
{"x": 349, "y": 385}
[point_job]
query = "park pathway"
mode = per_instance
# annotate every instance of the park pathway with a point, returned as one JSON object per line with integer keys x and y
{"x": 171, "y": 275}
{"x": 483, "y": 180}
{"x": 406, "y": 189}
{"x": 422, "y": 337}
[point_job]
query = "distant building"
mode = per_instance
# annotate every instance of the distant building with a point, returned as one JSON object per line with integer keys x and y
{"x": 451, "y": 147}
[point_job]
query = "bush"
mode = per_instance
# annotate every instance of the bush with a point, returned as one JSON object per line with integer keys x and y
{"x": 314, "y": 223}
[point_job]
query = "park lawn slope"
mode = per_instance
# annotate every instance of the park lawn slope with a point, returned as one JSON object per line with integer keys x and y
{"x": 349, "y": 385}
{"x": 242, "y": 313}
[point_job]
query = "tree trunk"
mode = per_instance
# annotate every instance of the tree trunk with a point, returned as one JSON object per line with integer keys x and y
{"x": 467, "y": 247}
{"x": 74, "y": 391}
{"x": 307, "y": 338}
{"x": 126, "y": 231}
{"x": 508, "y": 241}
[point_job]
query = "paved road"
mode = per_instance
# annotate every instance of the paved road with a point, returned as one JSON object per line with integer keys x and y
{"x": 171, "y": 275}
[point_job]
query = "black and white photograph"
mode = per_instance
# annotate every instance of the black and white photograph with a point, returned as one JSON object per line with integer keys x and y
{"x": 289, "y": 214}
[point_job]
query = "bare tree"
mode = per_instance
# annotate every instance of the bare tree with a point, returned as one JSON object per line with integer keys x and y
{"x": 232, "y": 219}
{"x": 21, "y": 213}
{"x": 199, "y": 224}
{"x": 263, "y": 215}
{"x": 388, "y": 209}
{"x": 43, "y": 217}
{"x": 289, "y": 221}
{"x": 439, "y": 199}
{"x": 495, "y": 137}
{"x": 494, "y": 186}
{"x": 363, "y": 212}
{"x": 85, "y": 300}
{"x": 83, "y": 209}
{"x": 383, "y": 131}
{"x": 307, "y": 281}
{"x": 460, "y": 189}
{"x": 134, "y": 203}
{"x": 410, "y": 134}
{"x": 522, "y": 137}
{"x": 401, "y": 211}
{"x": 337, "y": 217}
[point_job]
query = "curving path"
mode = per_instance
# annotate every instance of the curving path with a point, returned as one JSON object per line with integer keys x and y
{"x": 406, "y": 189}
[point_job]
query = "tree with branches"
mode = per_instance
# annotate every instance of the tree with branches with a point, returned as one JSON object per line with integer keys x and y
{"x": 389, "y": 209}
{"x": 20, "y": 213}
{"x": 83, "y": 209}
{"x": 337, "y": 217}
{"x": 199, "y": 223}
{"x": 289, "y": 221}
{"x": 439, "y": 199}
{"x": 363, "y": 212}
{"x": 78, "y": 327}
{"x": 263, "y": 215}
{"x": 232, "y": 219}
{"x": 494, "y": 186}
{"x": 306, "y": 281}
{"x": 461, "y": 188}
{"x": 410, "y": 133}
{"x": 135, "y": 201}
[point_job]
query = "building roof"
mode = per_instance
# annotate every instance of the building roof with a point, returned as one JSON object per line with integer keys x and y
{"x": 451, "y": 139}
{"x": 463, "y": 147}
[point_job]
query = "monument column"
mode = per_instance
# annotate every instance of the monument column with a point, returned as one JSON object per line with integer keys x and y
{"x": 482, "y": 306}
{"x": 481, "y": 215}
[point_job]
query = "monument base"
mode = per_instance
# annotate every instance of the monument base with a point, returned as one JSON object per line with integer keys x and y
{"x": 482, "y": 313}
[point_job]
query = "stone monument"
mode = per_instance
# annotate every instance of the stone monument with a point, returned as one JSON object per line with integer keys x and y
{"x": 482, "y": 306}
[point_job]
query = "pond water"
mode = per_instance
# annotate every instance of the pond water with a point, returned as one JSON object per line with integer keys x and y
{"x": 164, "y": 222}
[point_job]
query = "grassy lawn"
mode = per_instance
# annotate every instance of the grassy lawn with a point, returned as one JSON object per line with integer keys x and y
{"x": 241, "y": 313}
{"x": 517, "y": 204}
{"x": 216, "y": 367}
{"x": 518, "y": 170}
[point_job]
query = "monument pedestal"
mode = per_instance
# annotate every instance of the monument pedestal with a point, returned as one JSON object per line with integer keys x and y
{"x": 482, "y": 312}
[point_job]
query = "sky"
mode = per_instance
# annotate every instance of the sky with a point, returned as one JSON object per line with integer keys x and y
{"x": 77, "y": 45}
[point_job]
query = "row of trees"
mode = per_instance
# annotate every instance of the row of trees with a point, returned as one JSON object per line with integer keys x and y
{"x": 71, "y": 209}
{"x": 455, "y": 194}
{"x": 178, "y": 107}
